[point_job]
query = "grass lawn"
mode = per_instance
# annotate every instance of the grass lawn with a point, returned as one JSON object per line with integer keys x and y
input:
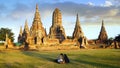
{"x": 83, "y": 58}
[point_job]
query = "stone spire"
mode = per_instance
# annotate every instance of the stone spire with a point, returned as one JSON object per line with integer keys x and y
{"x": 20, "y": 35}
{"x": 37, "y": 14}
{"x": 21, "y": 31}
{"x": 37, "y": 30}
{"x": 26, "y": 32}
{"x": 77, "y": 21}
{"x": 37, "y": 24}
{"x": 45, "y": 32}
{"x": 79, "y": 35}
{"x": 103, "y": 34}
{"x": 77, "y": 30}
{"x": 57, "y": 18}
{"x": 23, "y": 35}
{"x": 26, "y": 28}
{"x": 57, "y": 31}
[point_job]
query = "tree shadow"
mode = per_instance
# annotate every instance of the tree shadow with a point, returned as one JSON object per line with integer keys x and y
{"x": 16, "y": 65}
{"x": 8, "y": 65}
{"x": 92, "y": 63}
{"x": 41, "y": 56}
{"x": 97, "y": 64}
{"x": 1, "y": 60}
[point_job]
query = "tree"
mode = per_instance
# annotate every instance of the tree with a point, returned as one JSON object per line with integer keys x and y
{"x": 4, "y": 31}
{"x": 117, "y": 38}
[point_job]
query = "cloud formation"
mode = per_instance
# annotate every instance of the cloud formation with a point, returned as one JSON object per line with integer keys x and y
{"x": 90, "y": 3}
{"x": 89, "y": 12}
{"x": 107, "y": 4}
{"x": 84, "y": 10}
{"x": 20, "y": 11}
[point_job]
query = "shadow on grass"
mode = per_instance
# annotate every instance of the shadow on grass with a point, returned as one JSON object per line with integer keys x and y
{"x": 1, "y": 60}
{"x": 43, "y": 56}
{"x": 91, "y": 60}
{"x": 6, "y": 65}
{"x": 16, "y": 65}
{"x": 94, "y": 62}
{"x": 35, "y": 55}
{"x": 117, "y": 50}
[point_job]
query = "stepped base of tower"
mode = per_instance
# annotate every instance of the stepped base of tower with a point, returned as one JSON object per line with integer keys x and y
{"x": 50, "y": 47}
{"x": 49, "y": 41}
{"x": 65, "y": 45}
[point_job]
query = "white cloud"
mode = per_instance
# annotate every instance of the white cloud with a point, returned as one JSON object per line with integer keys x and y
{"x": 114, "y": 12}
{"x": 90, "y": 3}
{"x": 107, "y": 4}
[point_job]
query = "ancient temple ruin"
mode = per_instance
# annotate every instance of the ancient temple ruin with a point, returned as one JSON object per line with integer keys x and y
{"x": 35, "y": 34}
{"x": 20, "y": 35}
{"x": 57, "y": 31}
{"x": 103, "y": 34}
{"x": 78, "y": 34}
{"x": 8, "y": 43}
{"x": 37, "y": 30}
{"x": 24, "y": 35}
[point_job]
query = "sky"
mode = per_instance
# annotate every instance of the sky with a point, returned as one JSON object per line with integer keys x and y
{"x": 13, "y": 14}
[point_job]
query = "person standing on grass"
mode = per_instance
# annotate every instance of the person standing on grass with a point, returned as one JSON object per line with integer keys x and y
{"x": 6, "y": 46}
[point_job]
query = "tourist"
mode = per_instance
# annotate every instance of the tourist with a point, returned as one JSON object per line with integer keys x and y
{"x": 66, "y": 59}
{"x": 60, "y": 59}
{"x": 6, "y": 46}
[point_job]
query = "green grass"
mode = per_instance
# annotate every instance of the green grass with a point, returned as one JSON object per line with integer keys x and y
{"x": 93, "y": 58}
{"x": 1, "y": 44}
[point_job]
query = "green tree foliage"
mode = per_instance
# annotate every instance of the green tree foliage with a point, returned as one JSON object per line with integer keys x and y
{"x": 117, "y": 38}
{"x": 4, "y": 31}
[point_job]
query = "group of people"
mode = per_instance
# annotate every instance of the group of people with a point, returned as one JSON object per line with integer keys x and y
{"x": 62, "y": 58}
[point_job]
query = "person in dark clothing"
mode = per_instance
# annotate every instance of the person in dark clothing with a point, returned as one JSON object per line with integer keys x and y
{"x": 66, "y": 59}
{"x": 6, "y": 46}
{"x": 62, "y": 58}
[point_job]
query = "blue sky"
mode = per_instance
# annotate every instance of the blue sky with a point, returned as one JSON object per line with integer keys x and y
{"x": 13, "y": 14}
